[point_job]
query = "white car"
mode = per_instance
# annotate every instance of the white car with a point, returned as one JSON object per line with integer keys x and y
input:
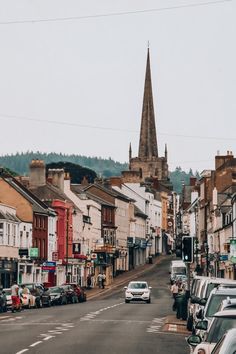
{"x": 8, "y": 296}
{"x": 27, "y": 299}
{"x": 138, "y": 291}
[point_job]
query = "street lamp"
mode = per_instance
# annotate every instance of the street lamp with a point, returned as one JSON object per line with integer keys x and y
{"x": 207, "y": 256}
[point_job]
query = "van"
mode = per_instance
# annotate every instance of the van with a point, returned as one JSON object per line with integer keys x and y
{"x": 177, "y": 270}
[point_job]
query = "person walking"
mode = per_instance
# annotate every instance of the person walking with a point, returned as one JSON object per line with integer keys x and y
{"x": 103, "y": 280}
{"x": 99, "y": 279}
{"x": 15, "y": 297}
{"x": 174, "y": 290}
{"x": 89, "y": 281}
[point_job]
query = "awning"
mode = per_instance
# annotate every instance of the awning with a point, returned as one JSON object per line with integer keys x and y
{"x": 80, "y": 256}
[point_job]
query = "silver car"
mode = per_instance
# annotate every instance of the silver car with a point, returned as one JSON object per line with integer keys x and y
{"x": 138, "y": 291}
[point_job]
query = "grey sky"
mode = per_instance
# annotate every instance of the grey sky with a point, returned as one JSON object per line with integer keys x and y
{"x": 90, "y": 72}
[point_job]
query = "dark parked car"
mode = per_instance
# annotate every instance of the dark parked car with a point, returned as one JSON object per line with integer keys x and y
{"x": 58, "y": 295}
{"x": 80, "y": 291}
{"x": 43, "y": 298}
{"x": 71, "y": 294}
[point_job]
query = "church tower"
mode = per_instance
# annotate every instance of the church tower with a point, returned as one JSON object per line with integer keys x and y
{"x": 148, "y": 165}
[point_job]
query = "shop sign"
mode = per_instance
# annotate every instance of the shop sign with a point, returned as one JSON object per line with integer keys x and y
{"x": 49, "y": 266}
{"x": 232, "y": 256}
{"x": 223, "y": 257}
{"x": 55, "y": 256}
{"x": 93, "y": 255}
{"x": 23, "y": 252}
{"x": 34, "y": 252}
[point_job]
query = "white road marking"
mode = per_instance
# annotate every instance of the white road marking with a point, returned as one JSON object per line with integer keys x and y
{"x": 62, "y": 329}
{"x": 22, "y": 351}
{"x": 36, "y": 343}
{"x": 55, "y": 332}
{"x": 2, "y": 317}
{"x": 49, "y": 337}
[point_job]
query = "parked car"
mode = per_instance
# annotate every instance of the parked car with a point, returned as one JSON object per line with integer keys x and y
{"x": 26, "y": 298}
{"x": 42, "y": 298}
{"x": 58, "y": 295}
{"x": 213, "y": 304}
{"x": 197, "y": 284}
{"x": 227, "y": 344}
{"x": 221, "y": 322}
{"x": 80, "y": 291}
{"x": 71, "y": 294}
{"x": 8, "y": 296}
{"x": 138, "y": 291}
{"x": 3, "y": 301}
{"x": 177, "y": 268}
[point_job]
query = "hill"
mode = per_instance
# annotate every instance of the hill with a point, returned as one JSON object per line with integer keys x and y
{"x": 19, "y": 163}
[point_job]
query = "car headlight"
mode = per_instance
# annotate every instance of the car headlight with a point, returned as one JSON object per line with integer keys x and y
{"x": 128, "y": 292}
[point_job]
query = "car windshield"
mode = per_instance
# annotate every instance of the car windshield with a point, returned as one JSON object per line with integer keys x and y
{"x": 55, "y": 290}
{"x": 137, "y": 285}
{"x": 219, "y": 326}
{"x": 215, "y": 302}
{"x": 179, "y": 270}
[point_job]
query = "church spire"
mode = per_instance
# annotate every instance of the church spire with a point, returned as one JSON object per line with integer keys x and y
{"x": 148, "y": 140}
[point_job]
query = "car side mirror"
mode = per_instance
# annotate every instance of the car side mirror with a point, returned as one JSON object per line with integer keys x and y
{"x": 202, "y": 325}
{"x": 202, "y": 302}
{"x": 194, "y": 340}
{"x": 125, "y": 287}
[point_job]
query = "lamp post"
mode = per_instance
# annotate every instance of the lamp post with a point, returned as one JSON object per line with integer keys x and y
{"x": 207, "y": 257}
{"x": 67, "y": 241}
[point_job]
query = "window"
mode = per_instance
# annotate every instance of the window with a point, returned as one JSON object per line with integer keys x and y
{"x": 8, "y": 234}
{"x": 21, "y": 239}
{"x": 14, "y": 235}
{"x": 1, "y": 233}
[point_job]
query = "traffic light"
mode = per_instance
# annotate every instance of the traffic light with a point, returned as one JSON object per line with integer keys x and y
{"x": 187, "y": 249}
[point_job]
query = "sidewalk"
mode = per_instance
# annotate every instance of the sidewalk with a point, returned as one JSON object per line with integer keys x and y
{"x": 124, "y": 278}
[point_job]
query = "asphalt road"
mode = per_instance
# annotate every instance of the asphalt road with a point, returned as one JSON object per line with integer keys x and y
{"x": 103, "y": 325}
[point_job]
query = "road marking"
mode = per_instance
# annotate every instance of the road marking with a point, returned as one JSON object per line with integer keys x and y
{"x": 62, "y": 329}
{"x": 54, "y": 332}
{"x": 22, "y": 351}
{"x": 36, "y": 343}
{"x": 49, "y": 337}
{"x": 2, "y": 317}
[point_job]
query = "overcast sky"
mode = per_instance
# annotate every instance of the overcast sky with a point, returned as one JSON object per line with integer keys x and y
{"x": 72, "y": 81}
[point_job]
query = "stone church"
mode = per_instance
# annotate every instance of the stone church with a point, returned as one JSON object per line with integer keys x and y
{"x": 148, "y": 166}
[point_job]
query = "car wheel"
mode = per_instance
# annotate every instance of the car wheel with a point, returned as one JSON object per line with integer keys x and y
{"x": 29, "y": 305}
{"x": 126, "y": 301}
{"x": 40, "y": 304}
{"x": 49, "y": 303}
{"x": 148, "y": 301}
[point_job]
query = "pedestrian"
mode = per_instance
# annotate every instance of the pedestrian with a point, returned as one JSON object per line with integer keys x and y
{"x": 103, "y": 280}
{"x": 174, "y": 290}
{"x": 89, "y": 281}
{"x": 16, "y": 305}
{"x": 99, "y": 279}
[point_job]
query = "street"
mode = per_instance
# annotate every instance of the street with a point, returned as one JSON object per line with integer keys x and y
{"x": 102, "y": 325}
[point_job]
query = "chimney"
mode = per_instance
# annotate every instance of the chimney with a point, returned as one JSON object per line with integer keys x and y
{"x": 56, "y": 177}
{"x": 37, "y": 176}
{"x": 193, "y": 181}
